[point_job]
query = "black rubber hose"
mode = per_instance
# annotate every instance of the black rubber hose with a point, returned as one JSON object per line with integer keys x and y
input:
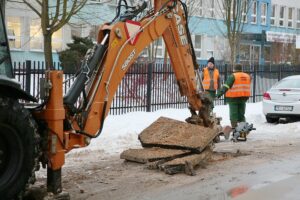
{"x": 101, "y": 124}
{"x": 79, "y": 84}
{"x": 196, "y": 66}
{"x": 119, "y": 10}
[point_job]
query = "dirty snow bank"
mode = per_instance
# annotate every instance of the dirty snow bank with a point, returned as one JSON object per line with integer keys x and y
{"x": 121, "y": 132}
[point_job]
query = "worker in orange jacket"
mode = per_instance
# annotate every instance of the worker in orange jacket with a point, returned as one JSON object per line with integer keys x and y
{"x": 211, "y": 79}
{"x": 237, "y": 90}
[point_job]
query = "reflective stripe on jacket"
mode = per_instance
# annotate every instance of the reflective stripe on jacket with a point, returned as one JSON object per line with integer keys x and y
{"x": 207, "y": 78}
{"x": 241, "y": 86}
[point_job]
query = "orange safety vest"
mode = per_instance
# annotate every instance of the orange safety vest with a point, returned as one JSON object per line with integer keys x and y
{"x": 206, "y": 78}
{"x": 241, "y": 86}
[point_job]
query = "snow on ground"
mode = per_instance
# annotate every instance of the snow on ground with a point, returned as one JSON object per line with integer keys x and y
{"x": 121, "y": 132}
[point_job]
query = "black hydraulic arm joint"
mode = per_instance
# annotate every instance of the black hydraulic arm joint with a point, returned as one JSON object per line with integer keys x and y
{"x": 130, "y": 14}
{"x": 89, "y": 65}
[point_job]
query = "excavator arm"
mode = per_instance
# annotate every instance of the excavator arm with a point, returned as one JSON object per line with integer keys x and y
{"x": 62, "y": 123}
{"x": 71, "y": 121}
{"x": 118, "y": 50}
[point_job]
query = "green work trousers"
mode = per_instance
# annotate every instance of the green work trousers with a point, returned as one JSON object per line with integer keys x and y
{"x": 237, "y": 112}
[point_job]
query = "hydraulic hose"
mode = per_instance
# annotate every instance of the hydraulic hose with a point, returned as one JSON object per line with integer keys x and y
{"x": 101, "y": 124}
{"x": 196, "y": 66}
{"x": 89, "y": 66}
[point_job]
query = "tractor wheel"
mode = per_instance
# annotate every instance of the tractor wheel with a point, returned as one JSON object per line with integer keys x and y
{"x": 19, "y": 149}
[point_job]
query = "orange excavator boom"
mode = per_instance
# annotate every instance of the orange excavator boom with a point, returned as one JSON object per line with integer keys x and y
{"x": 77, "y": 117}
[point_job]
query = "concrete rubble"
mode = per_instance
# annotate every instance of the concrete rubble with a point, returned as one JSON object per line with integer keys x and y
{"x": 173, "y": 146}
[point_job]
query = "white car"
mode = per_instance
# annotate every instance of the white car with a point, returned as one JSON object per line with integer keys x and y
{"x": 283, "y": 100}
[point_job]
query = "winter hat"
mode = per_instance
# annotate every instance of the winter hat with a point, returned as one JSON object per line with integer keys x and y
{"x": 238, "y": 67}
{"x": 212, "y": 60}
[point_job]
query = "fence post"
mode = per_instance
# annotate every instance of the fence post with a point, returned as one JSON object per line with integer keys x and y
{"x": 280, "y": 73}
{"x": 254, "y": 84}
{"x": 225, "y": 78}
{"x": 28, "y": 74}
{"x": 149, "y": 86}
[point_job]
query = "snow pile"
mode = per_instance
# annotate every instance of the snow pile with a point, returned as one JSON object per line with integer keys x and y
{"x": 121, "y": 132}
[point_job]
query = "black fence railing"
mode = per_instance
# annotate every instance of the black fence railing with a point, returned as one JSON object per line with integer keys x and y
{"x": 149, "y": 87}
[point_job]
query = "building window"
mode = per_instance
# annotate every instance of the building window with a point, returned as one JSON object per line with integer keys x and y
{"x": 156, "y": 49}
{"x": 222, "y": 9}
{"x": 267, "y": 55}
{"x": 57, "y": 40}
{"x": 93, "y": 32}
{"x": 244, "y": 53}
{"x": 298, "y": 18}
{"x": 254, "y": 12}
{"x": 36, "y": 36}
{"x": 159, "y": 53}
{"x": 281, "y": 16}
{"x": 244, "y": 10}
{"x": 210, "y": 54}
{"x": 145, "y": 52}
{"x": 211, "y": 9}
{"x": 210, "y": 42}
{"x": 290, "y": 17}
{"x": 263, "y": 10}
{"x": 199, "y": 8}
{"x": 14, "y": 32}
{"x": 197, "y": 46}
{"x": 76, "y": 30}
{"x": 273, "y": 15}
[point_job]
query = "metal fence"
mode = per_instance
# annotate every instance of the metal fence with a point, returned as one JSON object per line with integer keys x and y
{"x": 149, "y": 87}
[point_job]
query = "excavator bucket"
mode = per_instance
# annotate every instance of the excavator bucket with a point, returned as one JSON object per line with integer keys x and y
{"x": 173, "y": 134}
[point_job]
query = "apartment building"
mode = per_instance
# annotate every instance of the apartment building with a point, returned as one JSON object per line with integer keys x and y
{"x": 270, "y": 29}
{"x": 284, "y": 30}
{"x": 209, "y": 29}
{"x": 25, "y": 34}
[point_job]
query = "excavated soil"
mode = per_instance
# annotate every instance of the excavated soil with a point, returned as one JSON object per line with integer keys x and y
{"x": 94, "y": 175}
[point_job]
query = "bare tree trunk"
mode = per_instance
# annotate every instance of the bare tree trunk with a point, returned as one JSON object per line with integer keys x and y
{"x": 232, "y": 55}
{"x": 54, "y": 15}
{"x": 48, "y": 51}
{"x": 232, "y": 46}
{"x": 2, "y": 4}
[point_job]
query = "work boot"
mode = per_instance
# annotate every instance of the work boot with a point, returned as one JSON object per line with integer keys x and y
{"x": 233, "y": 124}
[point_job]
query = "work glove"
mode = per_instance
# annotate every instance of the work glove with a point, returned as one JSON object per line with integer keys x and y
{"x": 219, "y": 94}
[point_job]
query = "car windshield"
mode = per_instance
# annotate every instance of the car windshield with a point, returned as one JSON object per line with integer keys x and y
{"x": 288, "y": 83}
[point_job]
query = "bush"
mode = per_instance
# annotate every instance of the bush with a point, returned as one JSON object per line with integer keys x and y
{"x": 71, "y": 58}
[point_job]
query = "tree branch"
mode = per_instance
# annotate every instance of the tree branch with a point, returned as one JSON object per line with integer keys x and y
{"x": 39, "y": 2}
{"x": 67, "y": 15}
{"x": 55, "y": 19}
{"x": 32, "y": 8}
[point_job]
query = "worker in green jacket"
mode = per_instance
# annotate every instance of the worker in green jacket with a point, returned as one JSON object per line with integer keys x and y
{"x": 237, "y": 90}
